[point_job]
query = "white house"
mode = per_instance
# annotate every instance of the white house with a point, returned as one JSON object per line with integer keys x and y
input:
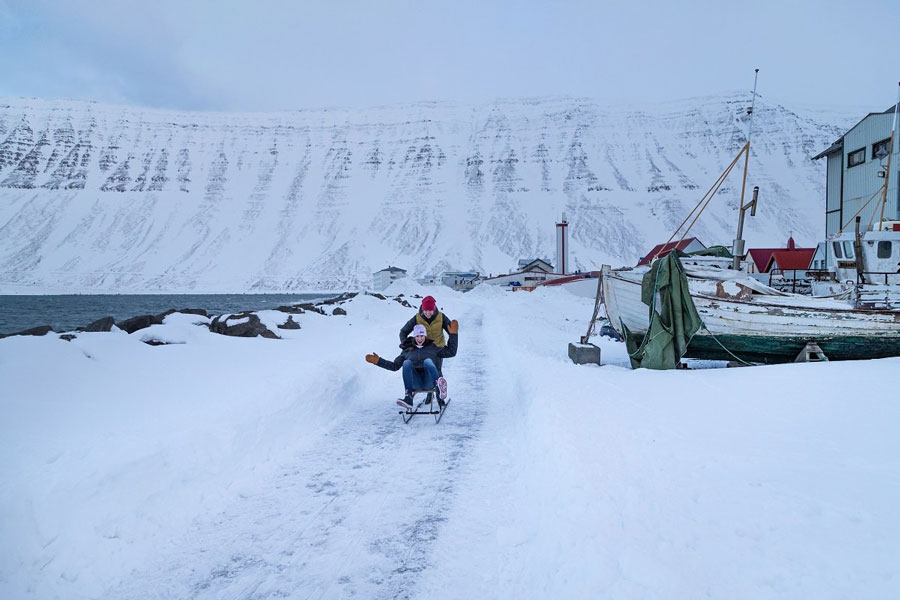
{"x": 384, "y": 277}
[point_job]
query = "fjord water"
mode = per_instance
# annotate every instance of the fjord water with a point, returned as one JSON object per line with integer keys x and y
{"x": 66, "y": 312}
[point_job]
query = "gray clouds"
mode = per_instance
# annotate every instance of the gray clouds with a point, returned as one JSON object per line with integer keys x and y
{"x": 283, "y": 55}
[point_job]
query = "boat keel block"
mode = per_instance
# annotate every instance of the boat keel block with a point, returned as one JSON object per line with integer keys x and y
{"x": 584, "y": 354}
{"x": 811, "y": 353}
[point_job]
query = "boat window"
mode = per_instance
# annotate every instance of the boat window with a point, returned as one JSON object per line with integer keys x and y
{"x": 837, "y": 250}
{"x": 884, "y": 249}
{"x": 848, "y": 249}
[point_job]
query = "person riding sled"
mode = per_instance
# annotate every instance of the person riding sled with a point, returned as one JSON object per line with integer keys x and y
{"x": 418, "y": 358}
{"x": 435, "y": 323}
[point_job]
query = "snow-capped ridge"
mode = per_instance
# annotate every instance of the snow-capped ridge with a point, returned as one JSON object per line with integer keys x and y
{"x": 100, "y": 197}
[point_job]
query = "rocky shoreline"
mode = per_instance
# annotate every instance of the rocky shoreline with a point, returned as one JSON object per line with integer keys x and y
{"x": 243, "y": 324}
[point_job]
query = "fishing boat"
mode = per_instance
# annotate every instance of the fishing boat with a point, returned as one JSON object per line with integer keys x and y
{"x": 747, "y": 321}
{"x": 743, "y": 319}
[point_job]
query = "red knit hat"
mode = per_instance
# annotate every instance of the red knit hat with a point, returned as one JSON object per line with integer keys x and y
{"x": 428, "y": 303}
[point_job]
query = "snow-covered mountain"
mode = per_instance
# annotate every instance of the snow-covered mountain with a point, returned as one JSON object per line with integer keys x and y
{"x": 107, "y": 198}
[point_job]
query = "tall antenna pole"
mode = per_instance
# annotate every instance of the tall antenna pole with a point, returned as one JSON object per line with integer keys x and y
{"x": 738, "y": 249}
{"x": 887, "y": 171}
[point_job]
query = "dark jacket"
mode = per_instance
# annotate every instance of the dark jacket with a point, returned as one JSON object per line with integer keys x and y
{"x": 409, "y": 351}
{"x": 407, "y": 329}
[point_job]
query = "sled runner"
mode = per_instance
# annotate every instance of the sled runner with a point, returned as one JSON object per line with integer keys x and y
{"x": 430, "y": 405}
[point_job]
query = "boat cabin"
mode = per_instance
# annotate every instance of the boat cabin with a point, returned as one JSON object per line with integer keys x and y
{"x": 880, "y": 257}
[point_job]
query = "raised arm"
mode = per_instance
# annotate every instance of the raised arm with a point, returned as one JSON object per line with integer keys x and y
{"x": 449, "y": 350}
{"x": 385, "y": 364}
{"x": 407, "y": 329}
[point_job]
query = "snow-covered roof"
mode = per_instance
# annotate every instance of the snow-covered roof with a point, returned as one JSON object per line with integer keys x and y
{"x": 391, "y": 270}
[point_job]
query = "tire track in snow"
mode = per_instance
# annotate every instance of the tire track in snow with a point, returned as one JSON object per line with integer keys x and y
{"x": 355, "y": 516}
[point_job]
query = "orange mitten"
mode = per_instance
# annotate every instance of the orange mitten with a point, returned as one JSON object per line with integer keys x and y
{"x": 372, "y": 358}
{"x": 453, "y": 327}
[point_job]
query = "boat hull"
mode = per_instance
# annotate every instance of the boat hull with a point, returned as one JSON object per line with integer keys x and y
{"x": 772, "y": 331}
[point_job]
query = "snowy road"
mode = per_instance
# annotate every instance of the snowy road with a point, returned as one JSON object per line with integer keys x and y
{"x": 355, "y": 516}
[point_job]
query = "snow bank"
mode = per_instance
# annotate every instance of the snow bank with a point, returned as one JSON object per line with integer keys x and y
{"x": 234, "y": 467}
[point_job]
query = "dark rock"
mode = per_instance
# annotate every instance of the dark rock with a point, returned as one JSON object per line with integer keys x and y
{"x": 104, "y": 324}
{"x": 290, "y": 323}
{"x": 311, "y": 308}
{"x": 135, "y": 323}
{"x": 342, "y": 298}
{"x": 379, "y": 296}
{"x": 296, "y": 310}
{"x": 42, "y": 330}
{"x": 253, "y": 327}
{"x": 194, "y": 311}
{"x": 161, "y": 316}
{"x": 155, "y": 343}
{"x": 402, "y": 301}
{"x": 68, "y": 337}
{"x": 338, "y": 311}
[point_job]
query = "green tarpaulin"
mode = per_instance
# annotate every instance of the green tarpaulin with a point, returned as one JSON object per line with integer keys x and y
{"x": 719, "y": 251}
{"x": 673, "y": 317}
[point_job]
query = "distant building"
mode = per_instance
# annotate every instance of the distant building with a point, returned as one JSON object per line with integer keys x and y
{"x": 758, "y": 259}
{"x": 531, "y": 264}
{"x": 763, "y": 260}
{"x": 460, "y": 280}
{"x": 690, "y": 244}
{"x": 532, "y": 272}
{"x": 854, "y": 174}
{"x": 429, "y": 279}
{"x": 384, "y": 277}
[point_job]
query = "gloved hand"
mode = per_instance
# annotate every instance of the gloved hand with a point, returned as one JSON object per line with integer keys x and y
{"x": 372, "y": 358}
{"x": 453, "y": 327}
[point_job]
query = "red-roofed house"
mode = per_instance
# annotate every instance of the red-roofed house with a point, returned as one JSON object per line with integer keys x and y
{"x": 760, "y": 258}
{"x": 791, "y": 260}
{"x": 690, "y": 244}
{"x": 786, "y": 267}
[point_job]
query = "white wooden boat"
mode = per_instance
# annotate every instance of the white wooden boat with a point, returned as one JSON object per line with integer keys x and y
{"x": 747, "y": 320}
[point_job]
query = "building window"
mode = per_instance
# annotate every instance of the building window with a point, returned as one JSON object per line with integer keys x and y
{"x": 877, "y": 146}
{"x": 884, "y": 249}
{"x": 857, "y": 157}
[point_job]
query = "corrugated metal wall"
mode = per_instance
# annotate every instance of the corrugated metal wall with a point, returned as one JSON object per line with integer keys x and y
{"x": 862, "y": 182}
{"x": 833, "y": 193}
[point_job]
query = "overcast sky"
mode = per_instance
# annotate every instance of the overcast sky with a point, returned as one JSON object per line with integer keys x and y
{"x": 266, "y": 54}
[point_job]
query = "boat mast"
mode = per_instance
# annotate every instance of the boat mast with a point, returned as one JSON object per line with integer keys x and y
{"x": 887, "y": 172}
{"x": 738, "y": 248}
